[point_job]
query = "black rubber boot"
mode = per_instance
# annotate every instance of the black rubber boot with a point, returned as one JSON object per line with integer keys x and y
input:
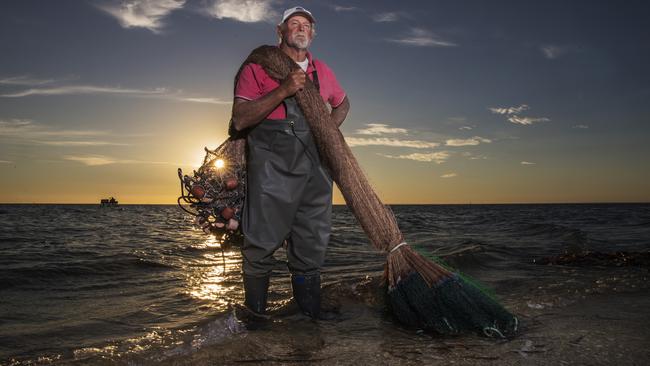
{"x": 306, "y": 292}
{"x": 256, "y": 293}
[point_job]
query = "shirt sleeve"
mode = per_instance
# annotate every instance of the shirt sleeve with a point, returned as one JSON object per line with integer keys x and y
{"x": 337, "y": 94}
{"x": 248, "y": 86}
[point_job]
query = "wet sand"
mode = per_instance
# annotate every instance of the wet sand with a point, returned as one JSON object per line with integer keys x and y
{"x": 602, "y": 323}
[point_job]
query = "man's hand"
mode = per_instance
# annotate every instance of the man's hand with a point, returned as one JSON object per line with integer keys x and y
{"x": 294, "y": 81}
{"x": 248, "y": 113}
{"x": 339, "y": 113}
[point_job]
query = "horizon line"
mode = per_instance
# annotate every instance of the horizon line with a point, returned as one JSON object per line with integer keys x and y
{"x": 344, "y": 204}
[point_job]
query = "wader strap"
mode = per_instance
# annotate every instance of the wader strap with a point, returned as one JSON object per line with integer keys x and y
{"x": 293, "y": 111}
{"x": 315, "y": 76}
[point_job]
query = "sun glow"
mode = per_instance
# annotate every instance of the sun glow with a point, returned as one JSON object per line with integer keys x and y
{"x": 219, "y": 163}
{"x": 199, "y": 159}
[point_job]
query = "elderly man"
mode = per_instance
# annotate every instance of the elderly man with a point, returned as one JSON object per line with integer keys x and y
{"x": 289, "y": 192}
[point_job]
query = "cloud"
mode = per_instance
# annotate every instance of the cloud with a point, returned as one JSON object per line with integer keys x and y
{"x": 339, "y": 8}
{"x": 527, "y": 163}
{"x": 147, "y": 14}
{"x": 462, "y": 122}
{"x": 420, "y": 37}
{"x": 449, "y": 175}
{"x": 22, "y": 129}
{"x": 34, "y": 133}
{"x": 81, "y": 89}
{"x": 14, "y": 125}
{"x": 552, "y": 52}
{"x": 385, "y": 141}
{"x": 437, "y": 157}
{"x": 205, "y": 100}
{"x": 91, "y": 160}
{"x": 379, "y": 129}
{"x": 80, "y": 143}
{"x": 509, "y": 110}
{"x": 513, "y": 115}
{"x": 467, "y": 142}
{"x": 159, "y": 93}
{"x": 71, "y": 133}
{"x": 98, "y": 160}
{"x": 582, "y": 127}
{"x": 25, "y": 80}
{"x": 526, "y": 120}
{"x": 385, "y": 17}
{"x": 472, "y": 156}
{"x": 247, "y": 11}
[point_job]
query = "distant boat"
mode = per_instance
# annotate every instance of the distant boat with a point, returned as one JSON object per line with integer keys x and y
{"x": 108, "y": 202}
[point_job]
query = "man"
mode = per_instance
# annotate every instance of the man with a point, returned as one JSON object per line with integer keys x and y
{"x": 289, "y": 193}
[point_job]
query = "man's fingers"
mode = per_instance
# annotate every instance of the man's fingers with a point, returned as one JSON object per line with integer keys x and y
{"x": 296, "y": 80}
{"x": 299, "y": 79}
{"x": 302, "y": 77}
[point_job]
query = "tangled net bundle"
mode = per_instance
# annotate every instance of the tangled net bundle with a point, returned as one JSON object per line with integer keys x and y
{"x": 215, "y": 192}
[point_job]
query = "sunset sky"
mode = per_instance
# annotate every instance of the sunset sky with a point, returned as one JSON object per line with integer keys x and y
{"x": 451, "y": 101}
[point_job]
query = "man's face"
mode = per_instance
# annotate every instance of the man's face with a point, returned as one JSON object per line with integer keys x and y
{"x": 297, "y": 32}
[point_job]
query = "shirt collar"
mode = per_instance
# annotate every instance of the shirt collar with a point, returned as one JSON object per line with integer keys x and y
{"x": 310, "y": 65}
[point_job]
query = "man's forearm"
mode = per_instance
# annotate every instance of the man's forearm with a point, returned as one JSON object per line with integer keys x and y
{"x": 248, "y": 113}
{"x": 339, "y": 113}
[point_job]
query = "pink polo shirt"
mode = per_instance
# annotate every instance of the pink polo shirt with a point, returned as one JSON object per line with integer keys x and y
{"x": 254, "y": 83}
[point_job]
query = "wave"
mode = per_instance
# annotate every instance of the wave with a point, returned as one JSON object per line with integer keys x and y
{"x": 81, "y": 268}
{"x": 570, "y": 237}
{"x": 473, "y": 258}
{"x": 534, "y": 229}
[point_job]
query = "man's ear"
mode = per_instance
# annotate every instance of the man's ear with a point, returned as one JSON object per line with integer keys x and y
{"x": 278, "y": 31}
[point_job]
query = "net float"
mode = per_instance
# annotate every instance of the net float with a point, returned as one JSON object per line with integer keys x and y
{"x": 227, "y": 213}
{"x": 197, "y": 191}
{"x": 231, "y": 183}
{"x": 233, "y": 224}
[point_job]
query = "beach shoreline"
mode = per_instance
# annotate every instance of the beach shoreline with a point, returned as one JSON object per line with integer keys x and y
{"x": 595, "y": 329}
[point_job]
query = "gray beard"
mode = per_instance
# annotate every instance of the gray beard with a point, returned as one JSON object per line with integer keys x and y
{"x": 299, "y": 43}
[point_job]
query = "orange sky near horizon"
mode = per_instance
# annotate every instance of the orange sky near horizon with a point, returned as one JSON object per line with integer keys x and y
{"x": 451, "y": 103}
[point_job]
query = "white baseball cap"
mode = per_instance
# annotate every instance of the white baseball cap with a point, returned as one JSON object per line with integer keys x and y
{"x": 297, "y": 9}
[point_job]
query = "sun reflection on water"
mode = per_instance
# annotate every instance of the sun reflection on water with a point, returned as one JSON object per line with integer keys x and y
{"x": 215, "y": 274}
{"x": 212, "y": 241}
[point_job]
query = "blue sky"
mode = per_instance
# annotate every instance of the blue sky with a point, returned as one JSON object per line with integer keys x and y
{"x": 452, "y": 101}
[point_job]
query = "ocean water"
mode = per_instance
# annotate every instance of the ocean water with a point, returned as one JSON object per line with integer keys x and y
{"x": 139, "y": 284}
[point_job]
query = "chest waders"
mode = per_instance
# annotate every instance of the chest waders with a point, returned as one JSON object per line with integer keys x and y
{"x": 289, "y": 198}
